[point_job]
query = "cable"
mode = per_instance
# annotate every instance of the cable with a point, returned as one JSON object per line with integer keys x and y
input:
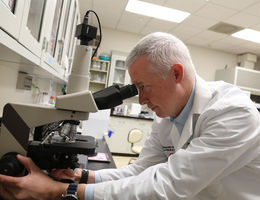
{"x": 99, "y": 26}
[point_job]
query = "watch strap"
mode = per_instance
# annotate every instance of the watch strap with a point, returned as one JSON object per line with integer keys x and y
{"x": 84, "y": 176}
{"x": 72, "y": 189}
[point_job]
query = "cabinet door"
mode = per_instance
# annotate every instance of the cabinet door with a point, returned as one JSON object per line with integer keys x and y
{"x": 36, "y": 13}
{"x": 11, "y": 13}
{"x": 52, "y": 36}
{"x": 118, "y": 73}
{"x": 62, "y": 31}
{"x": 70, "y": 39}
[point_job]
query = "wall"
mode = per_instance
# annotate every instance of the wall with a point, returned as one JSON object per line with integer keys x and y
{"x": 257, "y": 65}
{"x": 9, "y": 93}
{"x": 206, "y": 61}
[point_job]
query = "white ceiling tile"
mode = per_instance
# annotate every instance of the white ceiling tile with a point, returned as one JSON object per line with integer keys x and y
{"x": 85, "y": 5}
{"x": 132, "y": 22}
{"x": 155, "y": 25}
{"x": 187, "y": 30}
{"x": 216, "y": 12}
{"x": 182, "y": 36}
{"x": 246, "y": 49}
{"x": 253, "y": 10}
{"x": 230, "y": 41}
{"x": 186, "y": 5}
{"x": 162, "y": 24}
{"x": 252, "y": 45}
{"x": 158, "y": 2}
{"x": 234, "y": 4}
{"x": 107, "y": 18}
{"x": 210, "y": 36}
{"x": 197, "y": 42}
{"x": 256, "y": 27}
{"x": 114, "y": 4}
{"x": 243, "y": 19}
{"x": 196, "y": 21}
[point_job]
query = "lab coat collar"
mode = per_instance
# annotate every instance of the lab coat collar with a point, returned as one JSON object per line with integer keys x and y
{"x": 201, "y": 98}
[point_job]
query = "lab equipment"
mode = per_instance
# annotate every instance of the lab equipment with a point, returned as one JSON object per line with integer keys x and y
{"x": 55, "y": 142}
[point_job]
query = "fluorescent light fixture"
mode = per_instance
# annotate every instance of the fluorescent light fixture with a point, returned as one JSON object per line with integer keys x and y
{"x": 156, "y": 11}
{"x": 248, "y": 34}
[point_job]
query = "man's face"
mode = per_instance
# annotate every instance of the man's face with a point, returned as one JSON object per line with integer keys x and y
{"x": 160, "y": 95}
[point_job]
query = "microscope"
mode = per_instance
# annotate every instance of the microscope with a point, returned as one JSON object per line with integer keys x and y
{"x": 48, "y": 134}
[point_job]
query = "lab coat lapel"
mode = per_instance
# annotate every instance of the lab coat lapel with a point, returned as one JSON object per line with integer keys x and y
{"x": 201, "y": 98}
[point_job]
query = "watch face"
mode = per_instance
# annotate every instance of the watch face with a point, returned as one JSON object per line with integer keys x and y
{"x": 69, "y": 197}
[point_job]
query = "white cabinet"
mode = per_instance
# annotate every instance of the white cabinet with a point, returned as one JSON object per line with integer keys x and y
{"x": 11, "y": 13}
{"x": 70, "y": 41}
{"x": 118, "y": 71}
{"x": 99, "y": 71}
{"x": 41, "y": 31}
{"x": 64, "y": 19}
{"x": 246, "y": 79}
{"x": 35, "y": 17}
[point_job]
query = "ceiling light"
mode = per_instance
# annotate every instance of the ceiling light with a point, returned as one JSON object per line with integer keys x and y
{"x": 248, "y": 34}
{"x": 156, "y": 11}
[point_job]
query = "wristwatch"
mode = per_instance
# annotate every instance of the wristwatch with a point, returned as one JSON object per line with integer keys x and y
{"x": 84, "y": 176}
{"x": 71, "y": 192}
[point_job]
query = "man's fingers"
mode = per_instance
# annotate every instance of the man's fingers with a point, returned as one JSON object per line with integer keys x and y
{"x": 27, "y": 162}
{"x": 69, "y": 172}
{"x": 8, "y": 180}
{"x": 5, "y": 194}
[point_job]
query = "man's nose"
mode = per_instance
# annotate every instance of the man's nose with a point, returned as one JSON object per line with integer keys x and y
{"x": 142, "y": 98}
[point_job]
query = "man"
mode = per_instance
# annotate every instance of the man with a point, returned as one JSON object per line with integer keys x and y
{"x": 204, "y": 143}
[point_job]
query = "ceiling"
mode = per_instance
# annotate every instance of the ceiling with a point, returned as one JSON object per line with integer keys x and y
{"x": 194, "y": 29}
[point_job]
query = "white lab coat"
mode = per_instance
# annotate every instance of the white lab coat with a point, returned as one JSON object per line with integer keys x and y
{"x": 216, "y": 158}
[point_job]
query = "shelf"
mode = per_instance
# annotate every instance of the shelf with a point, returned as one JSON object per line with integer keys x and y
{"x": 98, "y": 60}
{"x": 118, "y": 83}
{"x": 98, "y": 70}
{"x": 120, "y": 68}
{"x": 98, "y": 82}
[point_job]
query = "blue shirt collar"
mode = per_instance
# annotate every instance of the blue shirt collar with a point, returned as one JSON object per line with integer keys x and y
{"x": 181, "y": 119}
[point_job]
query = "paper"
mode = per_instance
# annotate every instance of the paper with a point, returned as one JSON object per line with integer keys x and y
{"x": 100, "y": 157}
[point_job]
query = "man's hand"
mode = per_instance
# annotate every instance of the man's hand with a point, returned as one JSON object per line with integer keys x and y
{"x": 35, "y": 185}
{"x": 72, "y": 175}
{"x": 67, "y": 174}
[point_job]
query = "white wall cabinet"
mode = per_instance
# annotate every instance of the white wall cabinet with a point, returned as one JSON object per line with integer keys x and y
{"x": 55, "y": 35}
{"x": 11, "y": 14}
{"x": 35, "y": 17}
{"x": 44, "y": 28}
{"x": 118, "y": 71}
{"x": 246, "y": 79}
{"x": 70, "y": 42}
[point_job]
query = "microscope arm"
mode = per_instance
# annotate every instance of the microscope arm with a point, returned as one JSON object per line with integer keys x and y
{"x": 18, "y": 119}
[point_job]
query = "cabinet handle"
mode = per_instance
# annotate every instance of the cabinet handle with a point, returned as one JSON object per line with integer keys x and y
{"x": 43, "y": 43}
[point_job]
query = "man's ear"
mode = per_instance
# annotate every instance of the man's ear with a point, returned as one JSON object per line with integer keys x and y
{"x": 177, "y": 72}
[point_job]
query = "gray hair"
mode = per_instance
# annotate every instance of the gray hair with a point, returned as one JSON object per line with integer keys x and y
{"x": 163, "y": 50}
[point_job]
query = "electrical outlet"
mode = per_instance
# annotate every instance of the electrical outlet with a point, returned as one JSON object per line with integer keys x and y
{"x": 24, "y": 81}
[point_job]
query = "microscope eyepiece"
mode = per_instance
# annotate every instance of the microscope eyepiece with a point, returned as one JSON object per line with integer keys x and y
{"x": 113, "y": 96}
{"x": 128, "y": 91}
